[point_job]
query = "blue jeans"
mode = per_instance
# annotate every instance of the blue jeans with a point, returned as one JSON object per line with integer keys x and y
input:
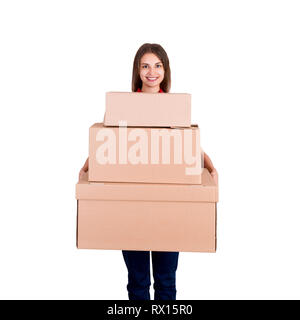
{"x": 164, "y": 266}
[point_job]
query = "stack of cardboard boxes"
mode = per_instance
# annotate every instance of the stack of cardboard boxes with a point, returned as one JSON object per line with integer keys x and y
{"x": 146, "y": 188}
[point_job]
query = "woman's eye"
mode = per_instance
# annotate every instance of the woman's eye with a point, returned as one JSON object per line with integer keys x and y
{"x": 159, "y": 65}
{"x": 144, "y": 67}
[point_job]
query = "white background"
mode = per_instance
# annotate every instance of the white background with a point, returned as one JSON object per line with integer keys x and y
{"x": 238, "y": 59}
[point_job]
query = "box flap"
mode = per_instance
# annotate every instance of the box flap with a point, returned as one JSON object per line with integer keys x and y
{"x": 205, "y": 192}
{"x": 100, "y": 125}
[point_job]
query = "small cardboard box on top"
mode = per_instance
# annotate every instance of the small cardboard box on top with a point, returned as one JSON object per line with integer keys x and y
{"x": 145, "y": 155}
{"x": 140, "y": 109}
{"x": 143, "y": 216}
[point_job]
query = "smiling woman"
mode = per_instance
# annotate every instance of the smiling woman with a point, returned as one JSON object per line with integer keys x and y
{"x": 152, "y": 74}
{"x": 151, "y": 69}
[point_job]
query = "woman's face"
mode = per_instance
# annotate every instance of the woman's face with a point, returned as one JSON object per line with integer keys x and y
{"x": 151, "y": 70}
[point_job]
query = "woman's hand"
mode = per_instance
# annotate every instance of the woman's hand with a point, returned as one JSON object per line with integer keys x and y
{"x": 210, "y": 167}
{"x": 81, "y": 174}
{"x": 214, "y": 175}
{"x": 84, "y": 169}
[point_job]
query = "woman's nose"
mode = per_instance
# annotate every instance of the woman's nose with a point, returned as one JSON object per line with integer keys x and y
{"x": 151, "y": 71}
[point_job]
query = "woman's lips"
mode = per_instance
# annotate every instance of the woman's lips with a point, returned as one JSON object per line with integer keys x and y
{"x": 151, "y": 78}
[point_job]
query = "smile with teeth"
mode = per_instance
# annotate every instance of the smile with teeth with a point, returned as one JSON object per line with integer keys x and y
{"x": 152, "y": 78}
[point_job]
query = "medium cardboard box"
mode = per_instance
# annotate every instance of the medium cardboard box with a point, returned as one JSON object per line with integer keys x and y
{"x": 150, "y": 155}
{"x": 148, "y": 109}
{"x": 142, "y": 216}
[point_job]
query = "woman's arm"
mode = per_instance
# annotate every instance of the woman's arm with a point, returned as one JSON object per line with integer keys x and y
{"x": 86, "y": 165}
{"x": 84, "y": 169}
{"x": 210, "y": 167}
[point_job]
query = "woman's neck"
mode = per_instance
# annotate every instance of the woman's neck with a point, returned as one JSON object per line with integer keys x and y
{"x": 150, "y": 89}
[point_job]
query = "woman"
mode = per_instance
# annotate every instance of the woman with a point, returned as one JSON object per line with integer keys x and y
{"x": 152, "y": 74}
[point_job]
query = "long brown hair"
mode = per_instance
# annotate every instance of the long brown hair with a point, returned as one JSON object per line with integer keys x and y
{"x": 159, "y": 51}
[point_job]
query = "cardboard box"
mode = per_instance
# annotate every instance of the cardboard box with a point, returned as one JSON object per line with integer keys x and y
{"x": 141, "y": 109}
{"x": 151, "y": 155}
{"x": 142, "y": 216}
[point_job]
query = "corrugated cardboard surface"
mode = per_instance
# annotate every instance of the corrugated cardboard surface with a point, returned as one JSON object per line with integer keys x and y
{"x": 131, "y": 216}
{"x": 205, "y": 192}
{"x": 146, "y": 225}
{"x": 149, "y": 172}
{"x": 150, "y": 110}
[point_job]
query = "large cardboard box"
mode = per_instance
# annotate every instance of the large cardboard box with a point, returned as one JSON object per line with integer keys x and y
{"x": 142, "y": 216}
{"x": 151, "y": 155}
{"x": 148, "y": 109}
